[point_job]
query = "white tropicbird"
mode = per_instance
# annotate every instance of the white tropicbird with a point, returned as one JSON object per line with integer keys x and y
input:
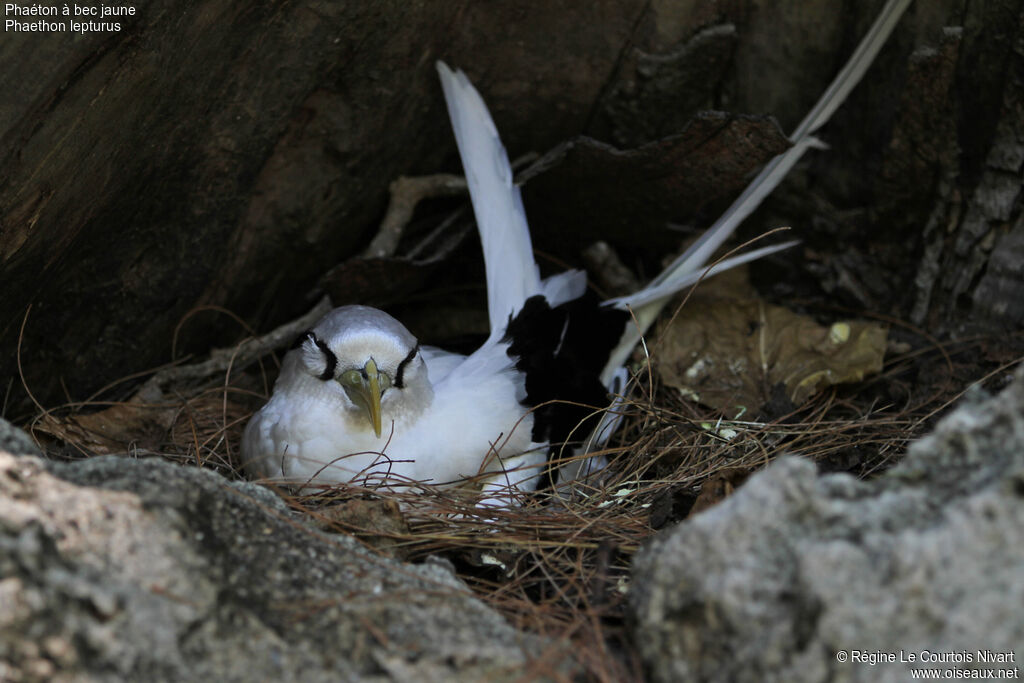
{"x": 359, "y": 400}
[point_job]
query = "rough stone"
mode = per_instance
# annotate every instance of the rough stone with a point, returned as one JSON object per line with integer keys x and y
{"x": 117, "y": 569}
{"x": 797, "y": 570}
{"x": 14, "y": 440}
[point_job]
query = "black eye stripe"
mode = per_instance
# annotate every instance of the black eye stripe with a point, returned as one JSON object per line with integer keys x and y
{"x": 399, "y": 381}
{"x": 308, "y": 334}
{"x": 331, "y": 359}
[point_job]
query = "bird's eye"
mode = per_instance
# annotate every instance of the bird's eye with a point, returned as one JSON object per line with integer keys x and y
{"x": 352, "y": 378}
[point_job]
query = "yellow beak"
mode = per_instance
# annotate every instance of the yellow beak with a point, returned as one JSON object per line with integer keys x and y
{"x": 371, "y": 387}
{"x": 364, "y": 390}
{"x": 374, "y": 395}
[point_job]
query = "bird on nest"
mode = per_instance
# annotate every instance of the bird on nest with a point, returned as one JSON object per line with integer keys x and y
{"x": 360, "y": 401}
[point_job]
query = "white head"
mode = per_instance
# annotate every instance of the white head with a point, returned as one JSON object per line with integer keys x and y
{"x": 371, "y": 361}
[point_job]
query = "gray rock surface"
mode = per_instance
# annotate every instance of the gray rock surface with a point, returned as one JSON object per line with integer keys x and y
{"x": 797, "y": 570}
{"x": 114, "y": 569}
{"x": 118, "y": 569}
{"x": 14, "y": 440}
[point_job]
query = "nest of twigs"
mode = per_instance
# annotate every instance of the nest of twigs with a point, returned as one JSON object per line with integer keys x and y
{"x": 557, "y": 565}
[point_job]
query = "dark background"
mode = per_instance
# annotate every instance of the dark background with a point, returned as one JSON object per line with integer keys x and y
{"x": 223, "y": 154}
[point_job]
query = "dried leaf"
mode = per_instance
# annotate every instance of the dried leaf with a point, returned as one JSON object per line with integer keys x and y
{"x": 717, "y": 488}
{"x": 729, "y": 350}
{"x": 377, "y": 522}
{"x": 114, "y": 429}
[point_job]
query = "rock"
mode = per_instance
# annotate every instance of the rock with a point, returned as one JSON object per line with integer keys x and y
{"x": 797, "y": 570}
{"x": 117, "y": 569}
{"x": 14, "y": 440}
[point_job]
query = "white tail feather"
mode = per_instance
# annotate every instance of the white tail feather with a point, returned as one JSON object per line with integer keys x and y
{"x": 854, "y": 69}
{"x": 777, "y": 169}
{"x": 648, "y": 302}
{"x": 512, "y": 274}
{"x": 565, "y": 286}
{"x": 655, "y": 293}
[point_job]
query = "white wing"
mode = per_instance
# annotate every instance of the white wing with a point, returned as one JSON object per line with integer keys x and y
{"x": 440, "y": 362}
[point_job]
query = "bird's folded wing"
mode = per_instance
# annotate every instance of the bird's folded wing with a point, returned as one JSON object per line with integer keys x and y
{"x": 439, "y": 362}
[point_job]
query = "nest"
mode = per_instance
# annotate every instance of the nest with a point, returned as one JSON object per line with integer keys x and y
{"x": 558, "y": 564}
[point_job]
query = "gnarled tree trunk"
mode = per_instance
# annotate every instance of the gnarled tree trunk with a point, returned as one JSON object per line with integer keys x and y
{"x": 224, "y": 154}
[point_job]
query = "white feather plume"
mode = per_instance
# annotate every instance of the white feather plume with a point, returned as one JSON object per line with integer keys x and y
{"x": 512, "y": 274}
